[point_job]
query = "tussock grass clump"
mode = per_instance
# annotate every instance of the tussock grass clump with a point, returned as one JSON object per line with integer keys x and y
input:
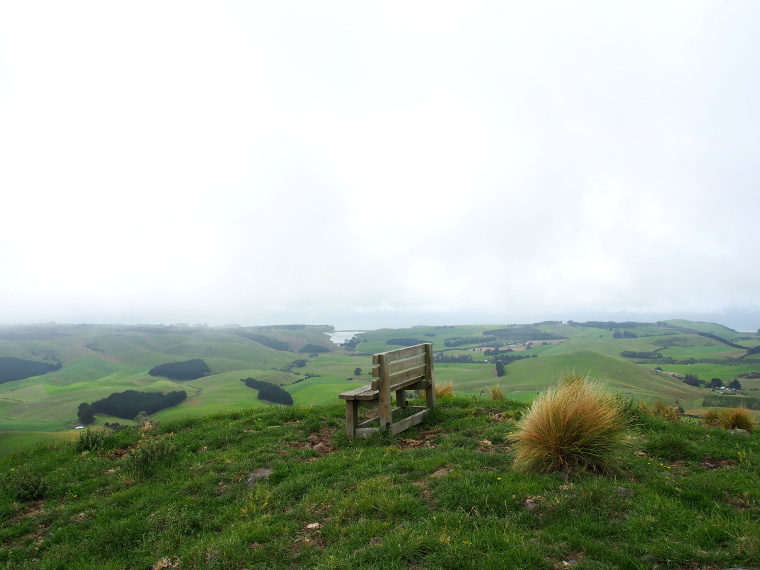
{"x": 735, "y": 418}
{"x": 496, "y": 392}
{"x": 444, "y": 390}
{"x": 710, "y": 417}
{"x": 573, "y": 426}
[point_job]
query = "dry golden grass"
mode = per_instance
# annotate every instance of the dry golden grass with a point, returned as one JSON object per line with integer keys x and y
{"x": 711, "y": 418}
{"x": 735, "y": 418}
{"x": 444, "y": 389}
{"x": 573, "y": 426}
{"x": 664, "y": 411}
{"x": 496, "y": 392}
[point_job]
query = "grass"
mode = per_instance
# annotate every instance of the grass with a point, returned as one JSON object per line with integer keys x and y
{"x": 573, "y": 426}
{"x": 496, "y": 392}
{"x": 444, "y": 494}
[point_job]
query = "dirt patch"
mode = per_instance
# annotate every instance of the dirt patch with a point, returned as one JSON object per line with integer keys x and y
{"x": 425, "y": 439}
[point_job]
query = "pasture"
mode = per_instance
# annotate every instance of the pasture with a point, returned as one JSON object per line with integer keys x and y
{"x": 98, "y": 360}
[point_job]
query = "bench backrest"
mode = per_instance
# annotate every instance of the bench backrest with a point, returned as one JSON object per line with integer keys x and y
{"x": 402, "y": 366}
{"x": 405, "y": 367}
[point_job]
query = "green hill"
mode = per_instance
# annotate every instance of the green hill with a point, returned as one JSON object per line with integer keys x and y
{"x": 97, "y": 360}
{"x": 282, "y": 487}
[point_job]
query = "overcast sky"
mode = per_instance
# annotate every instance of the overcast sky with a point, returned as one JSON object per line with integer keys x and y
{"x": 370, "y": 164}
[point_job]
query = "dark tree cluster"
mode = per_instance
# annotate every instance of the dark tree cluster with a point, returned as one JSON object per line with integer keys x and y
{"x": 496, "y": 350}
{"x": 522, "y": 334}
{"x": 462, "y": 340}
{"x": 300, "y": 363}
{"x": 309, "y": 348}
{"x": 128, "y": 404}
{"x": 269, "y": 392}
{"x": 722, "y": 340}
{"x": 612, "y": 324}
{"x": 641, "y": 354}
{"x": 692, "y": 380}
{"x": 441, "y": 357}
{"x": 12, "y": 368}
{"x": 86, "y": 413}
{"x": 508, "y": 358}
{"x": 186, "y": 370}
{"x": 624, "y": 334}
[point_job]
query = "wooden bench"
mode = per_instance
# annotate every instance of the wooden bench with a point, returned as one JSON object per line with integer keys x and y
{"x": 396, "y": 371}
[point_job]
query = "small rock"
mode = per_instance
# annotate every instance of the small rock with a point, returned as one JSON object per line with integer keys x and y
{"x": 442, "y": 472}
{"x": 321, "y": 448}
{"x": 313, "y": 439}
{"x": 531, "y": 503}
{"x": 742, "y": 432}
{"x": 708, "y": 465}
{"x": 624, "y": 492}
{"x": 261, "y": 473}
{"x": 313, "y": 526}
{"x": 375, "y": 540}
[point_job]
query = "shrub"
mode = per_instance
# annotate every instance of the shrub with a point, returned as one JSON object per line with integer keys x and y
{"x": 711, "y": 418}
{"x": 735, "y": 418}
{"x": 150, "y": 454}
{"x": 89, "y": 440}
{"x": 573, "y": 426}
{"x": 497, "y": 392}
{"x": 25, "y": 486}
{"x": 661, "y": 409}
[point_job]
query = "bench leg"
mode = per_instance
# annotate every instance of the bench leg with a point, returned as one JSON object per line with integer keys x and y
{"x": 352, "y": 417}
{"x": 430, "y": 395}
{"x": 401, "y": 398}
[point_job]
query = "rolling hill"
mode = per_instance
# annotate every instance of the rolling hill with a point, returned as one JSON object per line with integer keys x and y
{"x": 97, "y": 360}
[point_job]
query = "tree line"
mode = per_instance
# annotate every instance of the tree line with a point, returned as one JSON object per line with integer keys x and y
{"x": 128, "y": 404}
{"x": 12, "y": 368}
{"x": 462, "y": 340}
{"x": 523, "y": 333}
{"x": 269, "y": 392}
{"x": 640, "y": 354}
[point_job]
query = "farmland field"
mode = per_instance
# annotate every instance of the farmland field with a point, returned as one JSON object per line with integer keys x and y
{"x": 98, "y": 360}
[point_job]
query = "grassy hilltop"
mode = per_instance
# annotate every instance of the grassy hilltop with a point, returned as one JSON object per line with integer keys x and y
{"x": 282, "y": 487}
{"x": 90, "y": 362}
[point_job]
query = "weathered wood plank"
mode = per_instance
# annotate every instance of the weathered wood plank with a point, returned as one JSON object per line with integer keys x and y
{"x": 408, "y": 422}
{"x": 351, "y": 419}
{"x": 406, "y": 375}
{"x": 430, "y": 391}
{"x": 350, "y": 395}
{"x": 400, "y": 353}
{"x": 400, "y": 397}
{"x": 399, "y": 365}
{"x": 384, "y": 393}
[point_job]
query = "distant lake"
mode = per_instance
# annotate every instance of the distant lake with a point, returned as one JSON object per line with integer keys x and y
{"x": 339, "y": 337}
